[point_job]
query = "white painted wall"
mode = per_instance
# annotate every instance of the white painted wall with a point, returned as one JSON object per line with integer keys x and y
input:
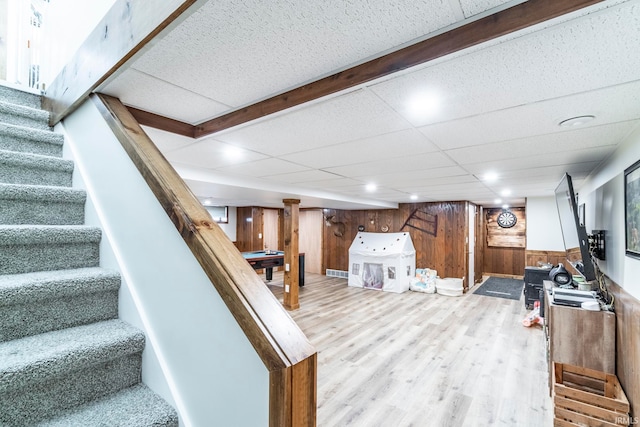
{"x": 196, "y": 356}
{"x": 230, "y": 227}
{"x": 66, "y": 26}
{"x": 543, "y": 225}
{"x": 603, "y": 195}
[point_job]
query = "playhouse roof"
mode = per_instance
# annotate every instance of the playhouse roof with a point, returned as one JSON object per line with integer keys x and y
{"x": 382, "y": 244}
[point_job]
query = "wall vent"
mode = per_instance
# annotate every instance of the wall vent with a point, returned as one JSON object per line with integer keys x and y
{"x": 337, "y": 273}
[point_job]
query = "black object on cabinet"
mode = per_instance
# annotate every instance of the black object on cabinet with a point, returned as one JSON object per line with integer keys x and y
{"x": 533, "y": 278}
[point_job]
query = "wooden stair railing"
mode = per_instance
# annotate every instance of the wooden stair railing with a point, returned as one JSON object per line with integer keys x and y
{"x": 284, "y": 349}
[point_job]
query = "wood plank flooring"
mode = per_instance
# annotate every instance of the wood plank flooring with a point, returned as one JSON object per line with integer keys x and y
{"x": 416, "y": 359}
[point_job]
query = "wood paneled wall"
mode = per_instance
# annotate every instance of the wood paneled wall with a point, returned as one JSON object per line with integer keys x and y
{"x": 627, "y": 310}
{"x": 504, "y": 261}
{"x": 511, "y": 237}
{"x": 249, "y": 228}
{"x": 552, "y": 257}
{"x": 479, "y": 254}
{"x": 444, "y": 252}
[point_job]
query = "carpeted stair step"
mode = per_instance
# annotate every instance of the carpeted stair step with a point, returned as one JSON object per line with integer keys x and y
{"x": 135, "y": 406}
{"x": 19, "y": 97}
{"x": 43, "y": 375}
{"x": 33, "y": 303}
{"x": 27, "y": 248}
{"x": 33, "y": 169}
{"x": 19, "y": 115}
{"x": 36, "y": 204}
{"x": 27, "y": 140}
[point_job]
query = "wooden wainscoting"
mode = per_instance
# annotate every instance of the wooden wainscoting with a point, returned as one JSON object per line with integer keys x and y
{"x": 552, "y": 257}
{"x": 627, "y": 310}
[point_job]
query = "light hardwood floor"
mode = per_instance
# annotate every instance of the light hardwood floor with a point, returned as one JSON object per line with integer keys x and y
{"x": 416, "y": 359}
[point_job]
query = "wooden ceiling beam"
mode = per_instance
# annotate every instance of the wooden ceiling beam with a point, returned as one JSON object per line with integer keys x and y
{"x": 516, "y": 18}
{"x": 163, "y": 123}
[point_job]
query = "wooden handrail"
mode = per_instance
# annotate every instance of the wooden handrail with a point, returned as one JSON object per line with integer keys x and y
{"x": 284, "y": 349}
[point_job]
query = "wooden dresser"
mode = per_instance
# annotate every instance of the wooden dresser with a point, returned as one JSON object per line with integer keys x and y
{"x": 578, "y": 337}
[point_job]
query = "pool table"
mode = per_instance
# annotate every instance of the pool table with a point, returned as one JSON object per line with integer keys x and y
{"x": 268, "y": 259}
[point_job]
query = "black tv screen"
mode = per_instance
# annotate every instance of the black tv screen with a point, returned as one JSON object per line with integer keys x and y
{"x": 576, "y": 241}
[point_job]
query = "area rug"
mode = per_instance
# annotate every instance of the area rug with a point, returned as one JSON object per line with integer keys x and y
{"x": 501, "y": 287}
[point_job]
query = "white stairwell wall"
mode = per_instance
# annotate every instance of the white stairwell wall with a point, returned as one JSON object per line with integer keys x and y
{"x": 196, "y": 355}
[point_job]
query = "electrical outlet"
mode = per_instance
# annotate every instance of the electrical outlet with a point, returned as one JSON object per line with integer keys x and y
{"x": 286, "y": 288}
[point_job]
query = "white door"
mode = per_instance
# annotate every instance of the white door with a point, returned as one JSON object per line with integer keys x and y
{"x": 310, "y": 241}
{"x": 270, "y": 229}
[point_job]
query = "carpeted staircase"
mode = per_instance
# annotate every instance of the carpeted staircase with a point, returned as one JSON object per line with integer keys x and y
{"x": 65, "y": 357}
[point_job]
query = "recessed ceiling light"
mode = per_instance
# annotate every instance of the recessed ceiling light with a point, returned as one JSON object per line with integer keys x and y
{"x": 424, "y": 104}
{"x": 505, "y": 206}
{"x": 414, "y": 197}
{"x": 371, "y": 188}
{"x": 505, "y": 193}
{"x": 233, "y": 153}
{"x": 497, "y": 201}
{"x": 490, "y": 177}
{"x": 576, "y": 121}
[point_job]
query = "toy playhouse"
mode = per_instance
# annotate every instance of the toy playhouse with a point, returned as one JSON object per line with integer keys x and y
{"x": 382, "y": 261}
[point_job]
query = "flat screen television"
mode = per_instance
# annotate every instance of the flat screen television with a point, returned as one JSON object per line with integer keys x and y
{"x": 576, "y": 241}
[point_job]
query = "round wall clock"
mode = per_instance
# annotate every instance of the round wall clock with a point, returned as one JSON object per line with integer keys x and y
{"x": 384, "y": 228}
{"x": 507, "y": 219}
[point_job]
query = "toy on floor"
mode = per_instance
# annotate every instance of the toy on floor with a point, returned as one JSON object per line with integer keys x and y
{"x": 533, "y": 318}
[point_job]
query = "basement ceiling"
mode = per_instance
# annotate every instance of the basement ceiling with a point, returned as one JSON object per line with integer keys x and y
{"x": 494, "y": 108}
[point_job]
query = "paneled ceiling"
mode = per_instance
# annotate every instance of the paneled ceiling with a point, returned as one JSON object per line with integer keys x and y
{"x": 493, "y": 108}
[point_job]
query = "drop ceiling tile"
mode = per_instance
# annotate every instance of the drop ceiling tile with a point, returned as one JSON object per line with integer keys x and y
{"x": 455, "y": 188}
{"x": 149, "y": 93}
{"x": 595, "y": 155}
{"x": 167, "y": 141}
{"x": 578, "y": 55}
{"x": 333, "y": 184}
{"x": 353, "y": 116}
{"x": 474, "y": 7}
{"x": 418, "y": 176}
{"x": 418, "y": 186}
{"x": 263, "y": 168}
{"x": 552, "y": 145}
{"x": 393, "y": 144}
{"x": 302, "y": 177}
{"x": 271, "y": 46}
{"x": 613, "y": 104}
{"x": 211, "y": 154}
{"x": 543, "y": 172}
{"x": 394, "y": 165}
